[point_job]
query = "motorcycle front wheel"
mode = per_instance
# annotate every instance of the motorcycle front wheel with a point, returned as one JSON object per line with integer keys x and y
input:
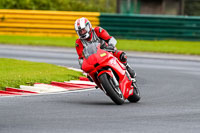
{"x": 113, "y": 92}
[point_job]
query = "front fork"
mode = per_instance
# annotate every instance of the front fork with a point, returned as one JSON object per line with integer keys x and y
{"x": 116, "y": 83}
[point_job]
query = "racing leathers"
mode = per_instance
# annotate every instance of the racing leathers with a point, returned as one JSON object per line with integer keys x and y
{"x": 108, "y": 42}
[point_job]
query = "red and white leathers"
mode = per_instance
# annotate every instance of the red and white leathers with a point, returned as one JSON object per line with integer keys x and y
{"x": 88, "y": 36}
{"x": 99, "y": 34}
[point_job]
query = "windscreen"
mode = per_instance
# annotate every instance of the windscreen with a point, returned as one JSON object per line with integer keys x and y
{"x": 90, "y": 49}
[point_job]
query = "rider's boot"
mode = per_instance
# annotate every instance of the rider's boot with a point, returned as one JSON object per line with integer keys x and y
{"x": 131, "y": 72}
{"x": 123, "y": 59}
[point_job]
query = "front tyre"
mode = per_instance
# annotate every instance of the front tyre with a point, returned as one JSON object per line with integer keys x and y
{"x": 113, "y": 92}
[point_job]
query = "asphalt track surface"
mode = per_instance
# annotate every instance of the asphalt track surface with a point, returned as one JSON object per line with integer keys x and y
{"x": 170, "y": 90}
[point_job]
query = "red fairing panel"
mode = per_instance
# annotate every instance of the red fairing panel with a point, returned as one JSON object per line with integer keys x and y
{"x": 105, "y": 71}
{"x": 95, "y": 64}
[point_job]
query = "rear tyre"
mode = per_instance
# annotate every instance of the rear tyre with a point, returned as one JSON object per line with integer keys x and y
{"x": 136, "y": 95}
{"x": 114, "y": 93}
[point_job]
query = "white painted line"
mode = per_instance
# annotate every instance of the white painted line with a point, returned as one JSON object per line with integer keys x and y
{"x": 81, "y": 82}
{"x": 163, "y": 56}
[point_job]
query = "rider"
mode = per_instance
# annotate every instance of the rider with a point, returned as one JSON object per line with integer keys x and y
{"x": 88, "y": 35}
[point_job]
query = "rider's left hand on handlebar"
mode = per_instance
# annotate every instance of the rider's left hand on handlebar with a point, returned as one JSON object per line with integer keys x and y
{"x": 110, "y": 48}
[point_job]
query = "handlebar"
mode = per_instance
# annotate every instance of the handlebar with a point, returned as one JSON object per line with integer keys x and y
{"x": 110, "y": 50}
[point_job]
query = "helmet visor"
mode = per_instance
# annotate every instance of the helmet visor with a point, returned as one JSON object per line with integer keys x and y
{"x": 82, "y": 31}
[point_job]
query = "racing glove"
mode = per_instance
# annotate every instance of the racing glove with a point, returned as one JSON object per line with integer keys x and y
{"x": 107, "y": 47}
{"x": 111, "y": 44}
{"x": 103, "y": 44}
{"x": 110, "y": 48}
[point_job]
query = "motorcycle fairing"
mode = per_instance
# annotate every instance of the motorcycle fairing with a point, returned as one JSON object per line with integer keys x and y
{"x": 96, "y": 64}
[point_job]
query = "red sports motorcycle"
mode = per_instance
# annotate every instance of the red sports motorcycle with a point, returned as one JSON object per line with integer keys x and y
{"x": 109, "y": 74}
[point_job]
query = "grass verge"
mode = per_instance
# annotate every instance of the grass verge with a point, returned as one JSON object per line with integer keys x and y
{"x": 162, "y": 46}
{"x": 17, "y": 72}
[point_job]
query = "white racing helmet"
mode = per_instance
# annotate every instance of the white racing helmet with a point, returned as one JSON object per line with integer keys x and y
{"x": 83, "y": 28}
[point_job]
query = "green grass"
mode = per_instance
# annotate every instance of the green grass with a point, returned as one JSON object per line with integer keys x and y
{"x": 163, "y": 46}
{"x": 38, "y": 41}
{"x": 17, "y": 72}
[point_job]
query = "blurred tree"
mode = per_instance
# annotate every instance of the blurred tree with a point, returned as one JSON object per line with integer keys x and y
{"x": 62, "y": 5}
{"x": 192, "y": 7}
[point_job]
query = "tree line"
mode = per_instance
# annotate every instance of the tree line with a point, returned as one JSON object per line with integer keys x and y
{"x": 192, "y": 7}
{"x": 61, "y": 5}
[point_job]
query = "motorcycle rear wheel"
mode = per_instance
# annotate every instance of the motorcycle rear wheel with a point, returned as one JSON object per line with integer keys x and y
{"x": 108, "y": 86}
